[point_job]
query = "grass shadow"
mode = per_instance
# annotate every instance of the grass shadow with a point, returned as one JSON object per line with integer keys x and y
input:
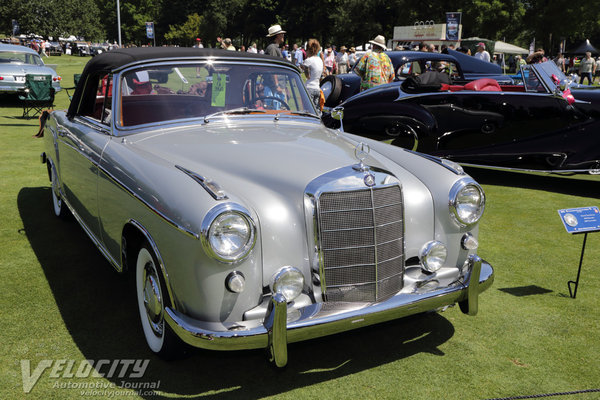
{"x": 99, "y": 310}
{"x": 576, "y": 185}
{"x": 525, "y": 290}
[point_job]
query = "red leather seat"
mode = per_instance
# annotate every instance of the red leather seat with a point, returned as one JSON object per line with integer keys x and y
{"x": 484, "y": 85}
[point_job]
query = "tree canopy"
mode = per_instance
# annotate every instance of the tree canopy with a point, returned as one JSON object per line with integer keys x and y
{"x": 347, "y": 22}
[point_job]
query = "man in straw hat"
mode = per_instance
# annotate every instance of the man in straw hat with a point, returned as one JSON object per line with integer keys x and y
{"x": 277, "y": 34}
{"x": 342, "y": 61}
{"x": 375, "y": 67}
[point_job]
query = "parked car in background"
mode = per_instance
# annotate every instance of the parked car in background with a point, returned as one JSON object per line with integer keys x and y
{"x": 461, "y": 69}
{"x": 81, "y": 49}
{"x": 247, "y": 224}
{"x": 18, "y": 61}
{"x": 54, "y": 49}
{"x": 540, "y": 125}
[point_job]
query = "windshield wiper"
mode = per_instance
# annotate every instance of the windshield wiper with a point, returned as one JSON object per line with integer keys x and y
{"x": 305, "y": 114}
{"x": 241, "y": 110}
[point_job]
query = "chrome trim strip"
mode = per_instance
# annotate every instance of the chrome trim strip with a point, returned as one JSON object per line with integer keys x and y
{"x": 219, "y": 195}
{"x": 456, "y": 169}
{"x": 144, "y": 202}
{"x": 549, "y": 172}
{"x": 317, "y": 320}
{"x": 195, "y": 60}
{"x": 152, "y": 243}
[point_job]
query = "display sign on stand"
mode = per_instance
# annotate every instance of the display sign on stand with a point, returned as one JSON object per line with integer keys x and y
{"x": 576, "y": 221}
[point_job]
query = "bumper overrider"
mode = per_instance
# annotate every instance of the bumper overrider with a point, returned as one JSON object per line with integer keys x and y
{"x": 313, "y": 321}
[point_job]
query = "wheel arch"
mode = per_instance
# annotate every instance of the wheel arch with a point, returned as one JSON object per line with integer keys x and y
{"x": 133, "y": 235}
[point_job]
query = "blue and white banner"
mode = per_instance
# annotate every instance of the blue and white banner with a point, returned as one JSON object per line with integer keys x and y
{"x": 453, "y": 25}
{"x": 150, "y": 30}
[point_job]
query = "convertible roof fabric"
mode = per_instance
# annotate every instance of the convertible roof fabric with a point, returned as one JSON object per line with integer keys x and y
{"x": 114, "y": 59}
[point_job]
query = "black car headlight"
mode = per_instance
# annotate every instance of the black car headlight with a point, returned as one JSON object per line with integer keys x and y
{"x": 467, "y": 202}
{"x": 228, "y": 232}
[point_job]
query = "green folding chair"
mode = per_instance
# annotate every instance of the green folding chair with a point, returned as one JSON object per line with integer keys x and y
{"x": 76, "y": 78}
{"x": 39, "y": 94}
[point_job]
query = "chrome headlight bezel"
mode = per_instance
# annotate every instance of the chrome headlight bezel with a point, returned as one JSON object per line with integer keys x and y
{"x": 217, "y": 213}
{"x": 458, "y": 189}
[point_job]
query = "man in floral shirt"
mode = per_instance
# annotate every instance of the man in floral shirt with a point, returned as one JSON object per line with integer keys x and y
{"x": 375, "y": 67}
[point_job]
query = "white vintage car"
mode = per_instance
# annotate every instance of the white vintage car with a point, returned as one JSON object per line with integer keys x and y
{"x": 247, "y": 224}
{"x": 18, "y": 61}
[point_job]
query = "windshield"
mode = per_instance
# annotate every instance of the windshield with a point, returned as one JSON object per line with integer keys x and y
{"x": 163, "y": 93}
{"x": 15, "y": 57}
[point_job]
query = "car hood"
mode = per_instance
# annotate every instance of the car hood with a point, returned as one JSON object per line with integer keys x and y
{"x": 244, "y": 158}
{"x": 22, "y": 69}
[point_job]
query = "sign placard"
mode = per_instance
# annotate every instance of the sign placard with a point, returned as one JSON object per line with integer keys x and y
{"x": 580, "y": 220}
{"x": 150, "y": 30}
{"x": 452, "y": 25}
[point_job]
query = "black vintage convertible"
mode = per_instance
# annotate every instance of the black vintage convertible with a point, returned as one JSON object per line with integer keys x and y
{"x": 461, "y": 67}
{"x": 538, "y": 125}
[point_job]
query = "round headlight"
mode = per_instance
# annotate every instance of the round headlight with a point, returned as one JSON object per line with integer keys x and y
{"x": 289, "y": 282}
{"x": 433, "y": 255}
{"x": 228, "y": 233}
{"x": 467, "y": 202}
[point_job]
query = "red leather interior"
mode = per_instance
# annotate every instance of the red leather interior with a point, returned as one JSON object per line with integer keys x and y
{"x": 484, "y": 85}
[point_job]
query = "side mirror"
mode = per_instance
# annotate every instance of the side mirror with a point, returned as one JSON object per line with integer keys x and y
{"x": 338, "y": 113}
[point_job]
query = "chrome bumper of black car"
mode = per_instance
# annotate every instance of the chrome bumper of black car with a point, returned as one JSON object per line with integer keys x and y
{"x": 319, "y": 320}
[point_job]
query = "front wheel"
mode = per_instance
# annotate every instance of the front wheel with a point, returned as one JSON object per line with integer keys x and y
{"x": 152, "y": 300}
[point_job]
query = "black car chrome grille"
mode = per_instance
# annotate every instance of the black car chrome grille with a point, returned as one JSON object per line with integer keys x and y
{"x": 362, "y": 244}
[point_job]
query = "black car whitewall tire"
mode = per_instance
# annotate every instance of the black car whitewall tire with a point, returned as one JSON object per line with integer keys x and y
{"x": 151, "y": 298}
{"x": 58, "y": 206}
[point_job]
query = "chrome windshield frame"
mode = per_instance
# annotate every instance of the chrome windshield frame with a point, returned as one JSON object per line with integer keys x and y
{"x": 118, "y": 74}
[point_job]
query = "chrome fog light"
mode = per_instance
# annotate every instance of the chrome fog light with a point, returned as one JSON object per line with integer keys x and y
{"x": 433, "y": 256}
{"x": 235, "y": 282}
{"x": 469, "y": 242}
{"x": 289, "y": 282}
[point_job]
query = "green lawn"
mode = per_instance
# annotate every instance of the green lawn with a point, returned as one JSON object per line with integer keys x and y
{"x": 61, "y": 300}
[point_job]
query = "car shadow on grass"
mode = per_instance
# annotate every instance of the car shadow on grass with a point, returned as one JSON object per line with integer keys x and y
{"x": 576, "y": 185}
{"x": 98, "y": 307}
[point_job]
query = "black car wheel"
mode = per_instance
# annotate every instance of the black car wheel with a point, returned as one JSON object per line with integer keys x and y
{"x": 332, "y": 89}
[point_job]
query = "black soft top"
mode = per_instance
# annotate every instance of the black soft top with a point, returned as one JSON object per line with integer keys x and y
{"x": 112, "y": 60}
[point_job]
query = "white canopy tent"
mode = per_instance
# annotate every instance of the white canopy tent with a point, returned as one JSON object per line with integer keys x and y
{"x": 507, "y": 48}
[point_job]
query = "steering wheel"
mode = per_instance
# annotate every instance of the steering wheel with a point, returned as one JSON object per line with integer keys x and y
{"x": 283, "y": 103}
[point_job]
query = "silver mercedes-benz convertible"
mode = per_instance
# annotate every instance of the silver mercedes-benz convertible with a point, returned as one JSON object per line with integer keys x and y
{"x": 247, "y": 224}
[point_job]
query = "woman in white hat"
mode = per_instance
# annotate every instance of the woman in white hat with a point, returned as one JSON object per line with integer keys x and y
{"x": 375, "y": 67}
{"x": 277, "y": 34}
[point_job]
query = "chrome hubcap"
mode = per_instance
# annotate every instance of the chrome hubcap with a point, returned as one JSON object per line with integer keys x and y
{"x": 153, "y": 299}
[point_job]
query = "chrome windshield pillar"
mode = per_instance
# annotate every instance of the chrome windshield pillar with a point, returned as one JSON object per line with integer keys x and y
{"x": 276, "y": 326}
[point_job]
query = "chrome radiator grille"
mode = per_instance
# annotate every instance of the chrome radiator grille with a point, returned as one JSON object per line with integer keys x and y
{"x": 362, "y": 244}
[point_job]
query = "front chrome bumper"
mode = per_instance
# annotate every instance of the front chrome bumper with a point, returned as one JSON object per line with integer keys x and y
{"x": 316, "y": 320}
